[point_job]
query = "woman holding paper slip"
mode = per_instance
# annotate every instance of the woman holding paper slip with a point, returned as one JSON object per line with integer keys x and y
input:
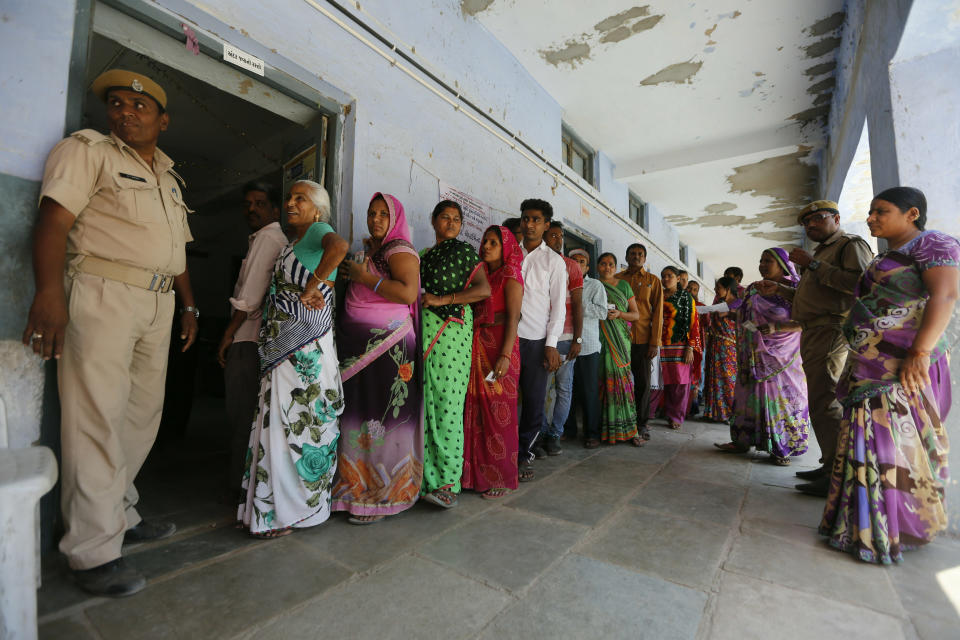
{"x": 490, "y": 438}
{"x": 721, "y": 358}
{"x": 679, "y": 346}
{"x": 770, "y": 401}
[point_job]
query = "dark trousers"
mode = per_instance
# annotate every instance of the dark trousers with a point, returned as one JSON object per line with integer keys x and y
{"x": 533, "y": 391}
{"x": 586, "y": 386}
{"x": 641, "y": 366}
{"x": 241, "y": 382}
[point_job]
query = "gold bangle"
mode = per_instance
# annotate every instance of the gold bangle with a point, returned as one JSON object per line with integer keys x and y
{"x": 453, "y": 298}
{"x": 920, "y": 353}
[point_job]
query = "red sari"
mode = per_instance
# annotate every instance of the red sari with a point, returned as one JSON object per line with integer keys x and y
{"x": 490, "y": 421}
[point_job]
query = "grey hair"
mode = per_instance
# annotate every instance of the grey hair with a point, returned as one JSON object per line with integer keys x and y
{"x": 318, "y": 196}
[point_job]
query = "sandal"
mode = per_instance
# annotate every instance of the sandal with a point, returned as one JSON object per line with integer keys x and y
{"x": 731, "y": 447}
{"x": 780, "y": 462}
{"x": 645, "y": 434}
{"x": 591, "y": 443}
{"x": 526, "y": 472}
{"x": 272, "y": 533}
{"x": 675, "y": 426}
{"x": 364, "y": 519}
{"x": 637, "y": 441}
{"x": 495, "y": 494}
{"x": 442, "y": 498}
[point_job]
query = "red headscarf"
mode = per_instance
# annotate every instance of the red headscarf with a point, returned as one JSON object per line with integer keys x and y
{"x": 512, "y": 258}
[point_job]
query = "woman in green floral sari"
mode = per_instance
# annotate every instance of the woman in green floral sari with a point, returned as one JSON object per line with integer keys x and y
{"x": 293, "y": 443}
{"x": 618, "y": 412}
{"x": 451, "y": 278}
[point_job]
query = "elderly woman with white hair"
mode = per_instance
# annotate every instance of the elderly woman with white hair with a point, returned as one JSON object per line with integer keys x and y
{"x": 292, "y": 455}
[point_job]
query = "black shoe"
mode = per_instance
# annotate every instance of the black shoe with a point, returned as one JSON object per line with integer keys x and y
{"x": 818, "y": 487}
{"x": 115, "y": 579}
{"x": 146, "y": 531}
{"x": 538, "y": 452}
{"x": 813, "y": 474}
{"x": 552, "y": 447}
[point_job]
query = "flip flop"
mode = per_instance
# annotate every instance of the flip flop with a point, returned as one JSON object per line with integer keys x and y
{"x": 730, "y": 447}
{"x": 495, "y": 494}
{"x": 272, "y": 533}
{"x": 434, "y": 498}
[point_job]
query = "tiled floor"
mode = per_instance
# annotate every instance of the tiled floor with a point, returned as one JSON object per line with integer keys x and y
{"x": 675, "y": 540}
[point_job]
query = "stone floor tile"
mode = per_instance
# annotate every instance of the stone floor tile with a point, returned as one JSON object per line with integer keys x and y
{"x": 70, "y": 628}
{"x": 738, "y": 615}
{"x": 783, "y": 505}
{"x": 570, "y": 498}
{"x": 363, "y": 547}
{"x": 678, "y": 550}
{"x": 169, "y": 558}
{"x": 815, "y": 569}
{"x": 786, "y": 531}
{"x": 693, "y": 499}
{"x": 611, "y": 471}
{"x": 221, "y": 600}
{"x": 58, "y": 592}
{"x": 653, "y": 452}
{"x": 409, "y": 598}
{"x": 586, "y": 598}
{"x": 928, "y": 582}
{"x": 709, "y": 465}
{"x": 505, "y": 547}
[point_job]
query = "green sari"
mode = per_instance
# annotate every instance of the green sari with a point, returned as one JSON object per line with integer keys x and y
{"x": 618, "y": 411}
{"x": 447, "y": 339}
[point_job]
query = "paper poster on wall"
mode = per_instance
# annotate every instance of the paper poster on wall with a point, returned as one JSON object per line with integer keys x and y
{"x": 476, "y": 215}
{"x": 302, "y": 166}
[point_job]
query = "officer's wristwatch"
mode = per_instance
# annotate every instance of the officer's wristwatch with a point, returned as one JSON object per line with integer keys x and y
{"x": 814, "y": 265}
{"x": 193, "y": 310}
{"x": 579, "y": 340}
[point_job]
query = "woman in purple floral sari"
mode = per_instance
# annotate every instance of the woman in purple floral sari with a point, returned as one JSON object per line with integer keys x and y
{"x": 770, "y": 402}
{"x": 887, "y": 487}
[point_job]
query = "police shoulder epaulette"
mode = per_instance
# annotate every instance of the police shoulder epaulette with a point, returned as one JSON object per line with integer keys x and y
{"x": 183, "y": 183}
{"x": 90, "y": 137}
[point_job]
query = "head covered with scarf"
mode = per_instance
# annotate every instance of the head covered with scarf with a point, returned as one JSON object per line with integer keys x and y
{"x": 512, "y": 257}
{"x": 398, "y": 234}
{"x": 782, "y": 258}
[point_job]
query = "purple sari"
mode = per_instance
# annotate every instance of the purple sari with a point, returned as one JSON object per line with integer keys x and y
{"x": 887, "y": 487}
{"x": 380, "y": 458}
{"x": 770, "y": 401}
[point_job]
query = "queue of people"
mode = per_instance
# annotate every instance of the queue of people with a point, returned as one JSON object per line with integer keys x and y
{"x": 435, "y": 374}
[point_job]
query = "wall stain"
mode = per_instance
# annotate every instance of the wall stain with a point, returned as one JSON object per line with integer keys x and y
{"x": 828, "y": 24}
{"x": 823, "y": 86}
{"x": 809, "y": 115}
{"x": 780, "y": 218}
{"x": 614, "y": 21}
{"x": 820, "y": 69}
{"x": 777, "y": 236}
{"x": 732, "y": 16}
{"x": 709, "y": 32}
{"x": 824, "y": 98}
{"x": 679, "y": 73}
{"x": 245, "y": 86}
{"x": 786, "y": 178}
{"x": 573, "y": 53}
{"x": 720, "y": 221}
{"x": 618, "y": 34}
{"x": 720, "y": 207}
{"x": 821, "y": 47}
{"x": 473, "y": 7}
{"x": 646, "y": 23}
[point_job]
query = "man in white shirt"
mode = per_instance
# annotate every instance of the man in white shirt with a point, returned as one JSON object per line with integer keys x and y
{"x": 541, "y": 323}
{"x": 238, "y": 348}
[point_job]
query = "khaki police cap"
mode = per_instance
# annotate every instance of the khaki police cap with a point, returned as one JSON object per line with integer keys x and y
{"x": 818, "y": 205}
{"x": 132, "y": 81}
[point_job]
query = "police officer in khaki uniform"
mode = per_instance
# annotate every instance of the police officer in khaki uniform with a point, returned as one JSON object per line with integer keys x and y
{"x": 821, "y": 303}
{"x": 113, "y": 221}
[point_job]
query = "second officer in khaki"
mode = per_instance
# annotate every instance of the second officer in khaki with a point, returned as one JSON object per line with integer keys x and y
{"x": 109, "y": 246}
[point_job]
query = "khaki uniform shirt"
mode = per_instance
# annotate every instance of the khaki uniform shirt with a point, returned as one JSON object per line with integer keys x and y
{"x": 648, "y": 293}
{"x": 126, "y": 211}
{"x": 827, "y": 292}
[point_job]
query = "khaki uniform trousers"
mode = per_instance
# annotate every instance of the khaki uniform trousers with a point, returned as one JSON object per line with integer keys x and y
{"x": 824, "y": 352}
{"x": 111, "y": 378}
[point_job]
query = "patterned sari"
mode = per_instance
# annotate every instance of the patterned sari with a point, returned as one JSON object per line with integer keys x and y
{"x": 887, "y": 487}
{"x": 490, "y": 415}
{"x": 770, "y": 402}
{"x": 292, "y": 454}
{"x": 445, "y": 268}
{"x": 381, "y": 463}
{"x": 618, "y": 410}
{"x": 721, "y": 366}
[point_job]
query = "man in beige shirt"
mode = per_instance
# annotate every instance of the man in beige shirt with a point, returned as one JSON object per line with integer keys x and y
{"x": 645, "y": 333}
{"x": 238, "y": 354}
{"x": 109, "y": 246}
{"x": 821, "y": 303}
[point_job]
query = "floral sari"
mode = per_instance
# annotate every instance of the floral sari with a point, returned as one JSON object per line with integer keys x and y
{"x": 380, "y": 457}
{"x": 293, "y": 442}
{"x": 721, "y": 367}
{"x": 618, "y": 410}
{"x": 490, "y": 420}
{"x": 770, "y": 403}
{"x": 887, "y": 487}
{"x": 445, "y": 268}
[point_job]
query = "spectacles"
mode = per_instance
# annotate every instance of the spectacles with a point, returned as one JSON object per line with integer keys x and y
{"x": 816, "y": 217}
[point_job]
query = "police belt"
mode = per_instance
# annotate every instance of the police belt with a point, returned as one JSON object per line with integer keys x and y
{"x": 822, "y": 321}
{"x": 128, "y": 274}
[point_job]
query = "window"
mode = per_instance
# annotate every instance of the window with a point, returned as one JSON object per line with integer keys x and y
{"x": 577, "y": 156}
{"x": 638, "y": 212}
{"x": 684, "y": 254}
{"x": 699, "y": 268}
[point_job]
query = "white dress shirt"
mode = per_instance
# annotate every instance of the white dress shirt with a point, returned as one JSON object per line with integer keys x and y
{"x": 544, "y": 295}
{"x": 254, "y": 279}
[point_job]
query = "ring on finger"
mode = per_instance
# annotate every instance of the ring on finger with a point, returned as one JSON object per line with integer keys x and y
{"x": 36, "y": 336}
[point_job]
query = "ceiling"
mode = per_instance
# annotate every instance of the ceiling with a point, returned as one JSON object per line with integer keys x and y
{"x": 714, "y": 111}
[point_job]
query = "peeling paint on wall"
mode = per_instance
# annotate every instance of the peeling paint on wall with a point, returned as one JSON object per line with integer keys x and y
{"x": 679, "y": 73}
{"x": 720, "y": 221}
{"x": 614, "y": 21}
{"x": 720, "y": 207}
{"x": 780, "y": 218}
{"x": 821, "y": 47}
{"x": 618, "y": 34}
{"x": 825, "y": 85}
{"x": 828, "y": 24}
{"x": 777, "y": 236}
{"x": 473, "y": 7}
{"x": 786, "y": 179}
{"x": 646, "y": 24}
{"x": 573, "y": 53}
{"x": 810, "y": 115}
{"x": 820, "y": 69}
